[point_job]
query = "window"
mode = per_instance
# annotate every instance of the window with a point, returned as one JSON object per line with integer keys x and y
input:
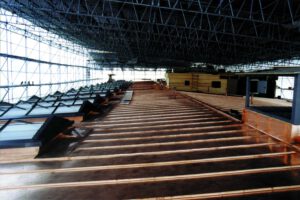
{"x": 216, "y": 84}
{"x": 186, "y": 83}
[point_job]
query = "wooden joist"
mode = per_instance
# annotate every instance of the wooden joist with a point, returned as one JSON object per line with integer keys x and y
{"x": 147, "y": 112}
{"x": 154, "y": 119}
{"x": 158, "y": 115}
{"x": 120, "y": 111}
{"x": 158, "y": 143}
{"x": 120, "y": 124}
{"x": 149, "y": 153}
{"x": 162, "y": 126}
{"x": 183, "y": 135}
{"x": 232, "y": 194}
{"x": 155, "y": 164}
{"x": 166, "y": 130}
{"x": 154, "y": 179}
{"x": 186, "y": 142}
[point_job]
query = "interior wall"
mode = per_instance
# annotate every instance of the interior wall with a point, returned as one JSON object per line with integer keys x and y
{"x": 198, "y": 82}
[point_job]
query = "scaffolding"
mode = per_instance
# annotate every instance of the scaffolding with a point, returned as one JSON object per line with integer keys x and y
{"x": 34, "y": 61}
{"x": 55, "y": 45}
{"x": 172, "y": 32}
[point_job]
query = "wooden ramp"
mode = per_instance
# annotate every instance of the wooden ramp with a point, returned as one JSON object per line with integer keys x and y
{"x": 160, "y": 147}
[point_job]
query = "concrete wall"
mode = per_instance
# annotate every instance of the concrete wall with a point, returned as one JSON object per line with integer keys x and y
{"x": 199, "y": 82}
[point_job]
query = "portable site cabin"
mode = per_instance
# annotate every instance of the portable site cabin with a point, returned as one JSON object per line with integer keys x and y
{"x": 197, "y": 82}
{"x": 222, "y": 83}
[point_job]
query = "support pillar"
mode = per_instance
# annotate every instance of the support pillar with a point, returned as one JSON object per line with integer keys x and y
{"x": 247, "y": 102}
{"x": 296, "y": 101}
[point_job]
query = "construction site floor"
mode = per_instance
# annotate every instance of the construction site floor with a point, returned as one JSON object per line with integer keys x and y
{"x": 160, "y": 146}
{"x": 271, "y": 106}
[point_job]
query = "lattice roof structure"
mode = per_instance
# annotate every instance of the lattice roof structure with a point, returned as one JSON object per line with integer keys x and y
{"x": 172, "y": 32}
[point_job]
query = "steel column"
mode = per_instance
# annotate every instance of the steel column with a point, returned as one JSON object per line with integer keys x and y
{"x": 296, "y": 101}
{"x": 247, "y": 101}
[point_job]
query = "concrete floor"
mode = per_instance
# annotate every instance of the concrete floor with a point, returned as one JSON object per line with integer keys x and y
{"x": 274, "y": 107}
{"x": 235, "y": 102}
{"x": 160, "y": 146}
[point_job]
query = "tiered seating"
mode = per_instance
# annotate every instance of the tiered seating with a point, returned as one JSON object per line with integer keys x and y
{"x": 24, "y": 139}
{"x": 34, "y": 123}
{"x": 74, "y": 103}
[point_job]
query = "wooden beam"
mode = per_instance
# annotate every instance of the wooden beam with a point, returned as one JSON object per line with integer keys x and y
{"x": 153, "y": 122}
{"x": 167, "y": 130}
{"x": 154, "y": 179}
{"x": 186, "y": 142}
{"x": 152, "y": 119}
{"x": 232, "y": 194}
{"x": 195, "y": 124}
{"x": 159, "y": 115}
{"x": 146, "y": 111}
{"x": 150, "y": 153}
{"x": 152, "y": 164}
{"x": 183, "y": 135}
{"x": 151, "y": 109}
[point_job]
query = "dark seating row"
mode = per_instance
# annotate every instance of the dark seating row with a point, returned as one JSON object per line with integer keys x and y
{"x": 72, "y": 103}
{"x": 36, "y": 121}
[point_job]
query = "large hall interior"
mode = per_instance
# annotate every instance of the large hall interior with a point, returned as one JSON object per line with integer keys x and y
{"x": 149, "y": 99}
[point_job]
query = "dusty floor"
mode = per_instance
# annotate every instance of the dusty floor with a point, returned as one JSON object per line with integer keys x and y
{"x": 236, "y": 102}
{"x": 159, "y": 146}
{"x": 274, "y": 107}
